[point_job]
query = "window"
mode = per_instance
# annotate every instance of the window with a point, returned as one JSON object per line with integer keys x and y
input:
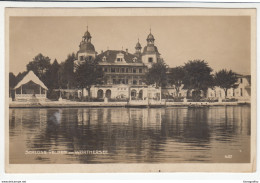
{"x": 117, "y": 69}
{"x": 134, "y": 82}
{"x": 81, "y": 58}
{"x": 241, "y": 92}
{"x": 104, "y": 59}
{"x": 90, "y": 57}
{"x": 150, "y": 59}
{"x": 134, "y": 70}
{"x": 241, "y": 80}
{"x": 105, "y": 69}
{"x": 134, "y": 59}
{"x": 140, "y": 82}
{"x": 99, "y": 69}
{"x": 123, "y": 81}
{"x": 120, "y": 57}
{"x": 113, "y": 70}
{"x": 126, "y": 81}
{"x": 126, "y": 70}
{"x": 123, "y": 70}
{"x": 114, "y": 81}
{"x": 140, "y": 70}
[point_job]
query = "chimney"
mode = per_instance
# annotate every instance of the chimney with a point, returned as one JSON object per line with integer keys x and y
{"x": 107, "y": 52}
{"x": 126, "y": 51}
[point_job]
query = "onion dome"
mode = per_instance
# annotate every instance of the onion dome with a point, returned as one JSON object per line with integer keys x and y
{"x": 150, "y": 37}
{"x": 87, "y": 35}
{"x": 138, "y": 46}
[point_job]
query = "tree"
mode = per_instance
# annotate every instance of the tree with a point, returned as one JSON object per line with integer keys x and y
{"x": 12, "y": 80}
{"x": 20, "y": 76}
{"x": 198, "y": 77}
{"x": 88, "y": 74}
{"x": 52, "y": 80}
{"x": 66, "y": 73}
{"x": 157, "y": 74}
{"x": 176, "y": 77}
{"x": 40, "y": 65}
{"x": 226, "y": 80}
{"x": 12, "y": 83}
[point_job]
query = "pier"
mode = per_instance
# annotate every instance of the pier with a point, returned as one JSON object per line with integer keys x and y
{"x": 136, "y": 104}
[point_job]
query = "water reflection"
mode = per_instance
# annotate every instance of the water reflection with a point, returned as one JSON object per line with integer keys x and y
{"x": 165, "y": 135}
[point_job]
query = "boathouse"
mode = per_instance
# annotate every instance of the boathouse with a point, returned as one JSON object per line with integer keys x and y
{"x": 30, "y": 87}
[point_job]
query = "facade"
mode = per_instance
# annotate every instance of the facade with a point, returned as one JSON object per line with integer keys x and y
{"x": 124, "y": 71}
{"x": 121, "y": 67}
{"x": 30, "y": 87}
{"x": 170, "y": 92}
{"x": 241, "y": 93}
{"x": 128, "y": 92}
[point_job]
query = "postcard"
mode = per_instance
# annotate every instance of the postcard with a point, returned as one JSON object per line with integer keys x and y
{"x": 130, "y": 90}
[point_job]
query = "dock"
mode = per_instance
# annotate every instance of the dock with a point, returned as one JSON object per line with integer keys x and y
{"x": 132, "y": 104}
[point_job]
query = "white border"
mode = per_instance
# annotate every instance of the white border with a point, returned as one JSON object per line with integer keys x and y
{"x": 98, "y": 176}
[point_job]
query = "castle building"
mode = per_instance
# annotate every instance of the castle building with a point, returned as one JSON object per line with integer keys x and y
{"x": 121, "y": 68}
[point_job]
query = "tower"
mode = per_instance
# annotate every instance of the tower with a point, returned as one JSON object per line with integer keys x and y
{"x": 150, "y": 53}
{"x": 138, "y": 48}
{"x": 86, "y": 48}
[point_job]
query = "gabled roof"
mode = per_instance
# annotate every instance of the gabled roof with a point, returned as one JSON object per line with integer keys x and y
{"x": 112, "y": 54}
{"x": 31, "y": 77}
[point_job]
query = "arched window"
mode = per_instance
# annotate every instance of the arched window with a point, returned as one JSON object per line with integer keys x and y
{"x": 100, "y": 94}
{"x": 133, "y": 94}
{"x": 140, "y": 95}
{"x": 108, "y": 94}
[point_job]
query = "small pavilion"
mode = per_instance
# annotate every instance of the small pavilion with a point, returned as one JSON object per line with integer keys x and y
{"x": 30, "y": 87}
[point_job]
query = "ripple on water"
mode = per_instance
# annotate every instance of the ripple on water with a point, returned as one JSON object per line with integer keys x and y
{"x": 163, "y": 135}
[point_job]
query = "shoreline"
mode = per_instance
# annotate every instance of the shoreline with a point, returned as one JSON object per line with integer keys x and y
{"x": 71, "y": 104}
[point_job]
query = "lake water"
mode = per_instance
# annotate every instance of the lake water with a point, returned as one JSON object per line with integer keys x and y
{"x": 130, "y": 135}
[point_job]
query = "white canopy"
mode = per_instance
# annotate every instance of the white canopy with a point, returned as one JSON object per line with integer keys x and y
{"x": 31, "y": 77}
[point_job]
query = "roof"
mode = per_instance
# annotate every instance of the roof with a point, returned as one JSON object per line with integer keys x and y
{"x": 138, "y": 45}
{"x": 30, "y": 77}
{"x": 244, "y": 76}
{"x": 87, "y": 34}
{"x": 111, "y": 55}
{"x": 150, "y": 37}
{"x": 86, "y": 47}
{"x": 150, "y": 49}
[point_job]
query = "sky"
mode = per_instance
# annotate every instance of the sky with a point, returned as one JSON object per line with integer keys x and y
{"x": 222, "y": 41}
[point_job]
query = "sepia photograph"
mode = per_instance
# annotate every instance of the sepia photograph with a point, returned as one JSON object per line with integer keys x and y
{"x": 130, "y": 90}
